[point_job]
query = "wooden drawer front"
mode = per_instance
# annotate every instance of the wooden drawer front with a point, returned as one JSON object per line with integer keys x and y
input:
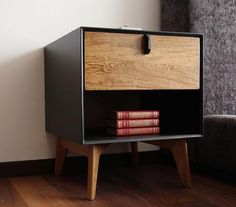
{"x": 115, "y": 61}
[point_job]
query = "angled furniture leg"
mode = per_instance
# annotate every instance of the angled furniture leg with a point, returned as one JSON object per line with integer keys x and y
{"x": 61, "y": 153}
{"x": 93, "y": 165}
{"x": 93, "y": 152}
{"x": 179, "y": 149}
{"x": 134, "y": 151}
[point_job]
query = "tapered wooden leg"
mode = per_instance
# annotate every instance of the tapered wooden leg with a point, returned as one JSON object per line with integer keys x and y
{"x": 60, "y": 157}
{"x": 134, "y": 151}
{"x": 93, "y": 164}
{"x": 180, "y": 153}
{"x": 93, "y": 153}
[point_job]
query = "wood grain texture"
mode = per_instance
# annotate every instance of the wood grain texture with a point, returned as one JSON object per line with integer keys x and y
{"x": 37, "y": 193}
{"x": 60, "y": 157}
{"x": 180, "y": 153}
{"x": 115, "y": 61}
{"x": 148, "y": 185}
{"x": 8, "y": 195}
{"x": 93, "y": 153}
{"x": 74, "y": 147}
{"x": 93, "y": 165}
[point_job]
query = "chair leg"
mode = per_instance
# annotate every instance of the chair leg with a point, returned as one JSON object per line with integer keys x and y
{"x": 60, "y": 158}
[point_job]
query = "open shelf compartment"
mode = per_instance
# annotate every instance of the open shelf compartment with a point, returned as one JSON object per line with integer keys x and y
{"x": 180, "y": 113}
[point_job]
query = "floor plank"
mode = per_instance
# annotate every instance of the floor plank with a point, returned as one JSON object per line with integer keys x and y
{"x": 109, "y": 192}
{"x": 145, "y": 186}
{"x": 8, "y": 195}
{"x": 36, "y": 192}
{"x": 217, "y": 192}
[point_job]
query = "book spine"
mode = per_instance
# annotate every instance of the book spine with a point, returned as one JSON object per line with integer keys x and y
{"x": 137, "y": 114}
{"x": 137, "y": 123}
{"x": 137, "y": 131}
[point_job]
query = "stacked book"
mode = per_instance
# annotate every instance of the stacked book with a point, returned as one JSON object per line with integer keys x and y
{"x": 125, "y": 123}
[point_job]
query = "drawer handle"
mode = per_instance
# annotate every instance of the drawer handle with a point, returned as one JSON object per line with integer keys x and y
{"x": 147, "y": 44}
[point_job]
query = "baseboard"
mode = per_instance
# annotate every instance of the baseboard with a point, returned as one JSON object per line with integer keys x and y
{"x": 73, "y": 165}
{"x": 26, "y": 168}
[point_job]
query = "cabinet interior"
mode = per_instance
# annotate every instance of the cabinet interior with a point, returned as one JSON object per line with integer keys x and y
{"x": 180, "y": 110}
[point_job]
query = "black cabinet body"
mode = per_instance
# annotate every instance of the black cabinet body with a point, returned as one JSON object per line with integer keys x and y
{"x": 74, "y": 113}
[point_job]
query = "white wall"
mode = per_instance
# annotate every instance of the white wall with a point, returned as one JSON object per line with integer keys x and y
{"x": 26, "y": 26}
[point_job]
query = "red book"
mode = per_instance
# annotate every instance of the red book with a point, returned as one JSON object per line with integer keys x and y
{"x": 133, "y": 131}
{"x": 134, "y": 114}
{"x": 133, "y": 123}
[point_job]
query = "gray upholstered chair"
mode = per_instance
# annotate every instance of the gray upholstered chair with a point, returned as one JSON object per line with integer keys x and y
{"x": 217, "y": 150}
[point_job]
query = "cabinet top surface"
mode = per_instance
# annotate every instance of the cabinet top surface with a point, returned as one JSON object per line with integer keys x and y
{"x": 140, "y": 31}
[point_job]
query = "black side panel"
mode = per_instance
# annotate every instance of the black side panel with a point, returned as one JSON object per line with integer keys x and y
{"x": 63, "y": 86}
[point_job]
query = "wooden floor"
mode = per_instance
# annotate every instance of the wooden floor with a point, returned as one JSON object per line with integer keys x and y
{"x": 149, "y": 185}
